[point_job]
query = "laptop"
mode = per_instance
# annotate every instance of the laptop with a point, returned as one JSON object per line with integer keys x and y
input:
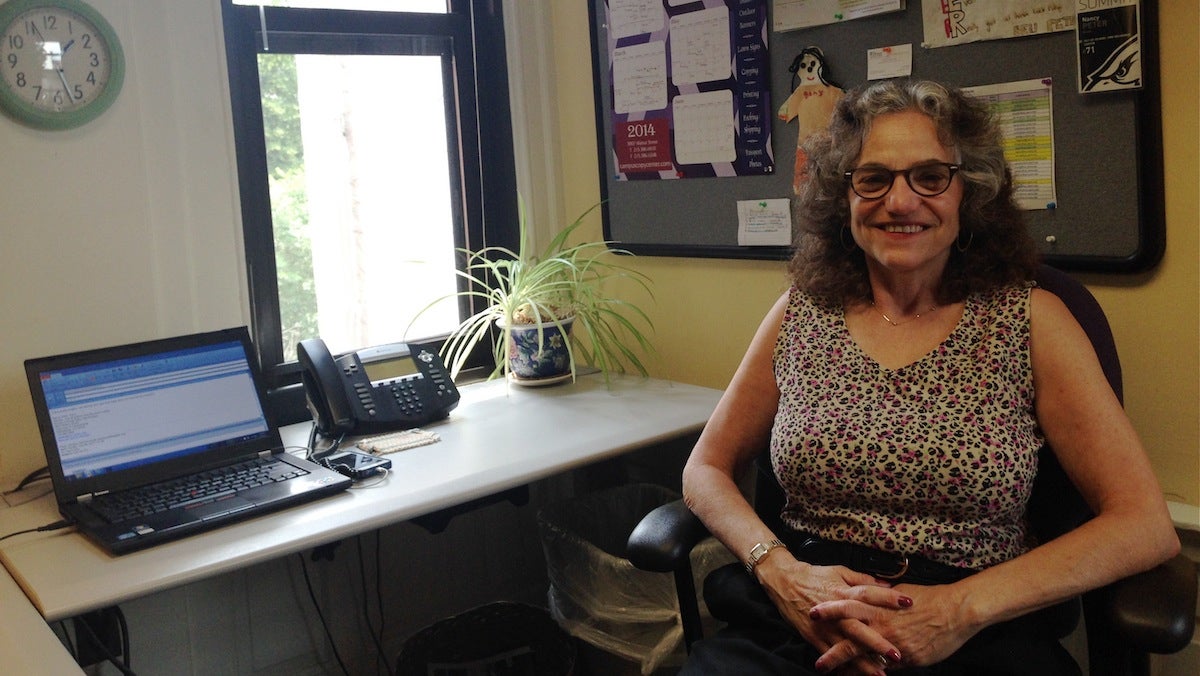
{"x": 152, "y": 441}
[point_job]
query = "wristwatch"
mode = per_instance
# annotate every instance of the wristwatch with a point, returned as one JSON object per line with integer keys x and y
{"x": 758, "y": 551}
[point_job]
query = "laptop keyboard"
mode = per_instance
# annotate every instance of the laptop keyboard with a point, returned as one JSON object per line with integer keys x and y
{"x": 193, "y": 490}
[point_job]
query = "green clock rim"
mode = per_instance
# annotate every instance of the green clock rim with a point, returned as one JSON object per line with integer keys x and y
{"x": 26, "y": 113}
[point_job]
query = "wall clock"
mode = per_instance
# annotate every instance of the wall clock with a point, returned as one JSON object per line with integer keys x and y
{"x": 61, "y": 64}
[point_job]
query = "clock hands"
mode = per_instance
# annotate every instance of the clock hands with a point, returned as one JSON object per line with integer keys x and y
{"x": 61, "y": 74}
{"x": 66, "y": 86}
{"x": 54, "y": 53}
{"x": 54, "y": 58}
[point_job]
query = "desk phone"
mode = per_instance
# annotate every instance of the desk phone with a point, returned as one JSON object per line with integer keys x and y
{"x": 344, "y": 401}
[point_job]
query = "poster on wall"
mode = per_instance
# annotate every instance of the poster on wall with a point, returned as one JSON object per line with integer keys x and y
{"x": 955, "y": 22}
{"x": 690, "y": 88}
{"x": 1110, "y": 52}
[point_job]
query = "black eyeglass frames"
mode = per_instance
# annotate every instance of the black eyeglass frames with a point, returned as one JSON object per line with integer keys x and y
{"x": 928, "y": 180}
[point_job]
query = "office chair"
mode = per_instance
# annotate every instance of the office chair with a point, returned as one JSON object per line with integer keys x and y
{"x": 1151, "y": 612}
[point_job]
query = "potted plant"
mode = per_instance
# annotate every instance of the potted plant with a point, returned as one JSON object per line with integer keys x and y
{"x": 546, "y": 313}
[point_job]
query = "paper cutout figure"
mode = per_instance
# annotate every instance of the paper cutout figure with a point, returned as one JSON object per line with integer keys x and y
{"x": 811, "y": 102}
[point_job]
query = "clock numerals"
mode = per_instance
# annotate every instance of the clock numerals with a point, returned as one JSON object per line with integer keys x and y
{"x": 45, "y": 53}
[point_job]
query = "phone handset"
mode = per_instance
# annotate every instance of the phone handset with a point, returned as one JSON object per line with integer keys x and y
{"x": 343, "y": 400}
{"x": 326, "y": 392}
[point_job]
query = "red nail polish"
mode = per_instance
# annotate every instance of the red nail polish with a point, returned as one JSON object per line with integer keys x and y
{"x": 905, "y": 602}
{"x": 814, "y": 613}
{"x": 893, "y": 656}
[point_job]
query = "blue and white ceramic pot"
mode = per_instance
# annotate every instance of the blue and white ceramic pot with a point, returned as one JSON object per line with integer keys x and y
{"x": 529, "y": 365}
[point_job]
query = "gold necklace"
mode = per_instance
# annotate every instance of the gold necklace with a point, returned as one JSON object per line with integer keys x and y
{"x": 889, "y": 319}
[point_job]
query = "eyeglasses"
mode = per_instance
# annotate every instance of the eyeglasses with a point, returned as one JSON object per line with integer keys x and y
{"x": 929, "y": 180}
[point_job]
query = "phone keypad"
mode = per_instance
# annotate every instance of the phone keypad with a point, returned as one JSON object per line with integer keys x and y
{"x": 405, "y": 393}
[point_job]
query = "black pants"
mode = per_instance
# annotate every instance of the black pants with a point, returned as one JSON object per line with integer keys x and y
{"x": 758, "y": 641}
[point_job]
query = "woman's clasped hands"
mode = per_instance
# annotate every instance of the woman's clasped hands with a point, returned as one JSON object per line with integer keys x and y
{"x": 861, "y": 624}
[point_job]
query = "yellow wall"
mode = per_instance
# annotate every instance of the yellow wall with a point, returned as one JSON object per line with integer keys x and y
{"x": 707, "y": 310}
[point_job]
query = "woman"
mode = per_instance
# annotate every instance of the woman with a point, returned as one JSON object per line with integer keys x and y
{"x": 905, "y": 384}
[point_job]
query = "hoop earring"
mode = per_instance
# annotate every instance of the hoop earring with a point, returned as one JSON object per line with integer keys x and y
{"x": 962, "y": 248}
{"x": 848, "y": 246}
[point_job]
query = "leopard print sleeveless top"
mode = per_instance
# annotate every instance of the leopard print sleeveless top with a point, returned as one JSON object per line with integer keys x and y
{"x": 936, "y": 458}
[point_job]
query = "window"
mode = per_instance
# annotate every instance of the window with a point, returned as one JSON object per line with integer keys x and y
{"x": 363, "y": 161}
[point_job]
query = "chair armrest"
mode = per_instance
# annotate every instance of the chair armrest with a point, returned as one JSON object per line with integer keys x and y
{"x": 1156, "y": 610}
{"x": 664, "y": 538}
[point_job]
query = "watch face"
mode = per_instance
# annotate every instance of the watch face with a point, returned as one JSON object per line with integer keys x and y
{"x": 59, "y": 63}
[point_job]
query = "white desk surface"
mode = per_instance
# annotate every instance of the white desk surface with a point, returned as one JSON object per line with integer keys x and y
{"x": 499, "y": 437}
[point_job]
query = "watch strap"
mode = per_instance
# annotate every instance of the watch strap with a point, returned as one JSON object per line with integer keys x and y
{"x": 759, "y": 551}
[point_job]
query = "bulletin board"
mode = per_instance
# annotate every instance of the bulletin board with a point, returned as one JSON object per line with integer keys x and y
{"x": 1108, "y": 213}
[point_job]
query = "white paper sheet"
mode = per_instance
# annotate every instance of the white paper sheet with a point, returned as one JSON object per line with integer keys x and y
{"x": 700, "y": 49}
{"x": 640, "y": 78}
{"x": 1026, "y": 117}
{"x": 889, "y": 62}
{"x": 766, "y": 222}
{"x": 793, "y": 14}
{"x": 704, "y": 127}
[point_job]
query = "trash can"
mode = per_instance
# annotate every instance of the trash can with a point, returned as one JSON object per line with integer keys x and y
{"x": 497, "y": 639}
{"x": 597, "y": 595}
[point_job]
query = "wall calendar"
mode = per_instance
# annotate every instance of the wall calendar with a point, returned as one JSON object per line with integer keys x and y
{"x": 690, "y": 88}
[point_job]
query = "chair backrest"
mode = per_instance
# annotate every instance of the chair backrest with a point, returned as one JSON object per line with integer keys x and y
{"x": 1055, "y": 505}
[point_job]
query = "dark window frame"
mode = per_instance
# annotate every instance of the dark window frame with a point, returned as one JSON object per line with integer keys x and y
{"x": 486, "y": 213}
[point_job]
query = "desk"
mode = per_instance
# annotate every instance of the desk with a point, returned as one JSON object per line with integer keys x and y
{"x": 500, "y": 437}
{"x": 27, "y": 646}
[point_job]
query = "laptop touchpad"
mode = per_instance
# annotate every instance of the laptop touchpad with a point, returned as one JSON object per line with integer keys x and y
{"x": 221, "y": 507}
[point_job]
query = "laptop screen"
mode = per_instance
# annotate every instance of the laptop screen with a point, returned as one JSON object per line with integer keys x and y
{"x": 124, "y": 413}
{"x": 119, "y": 411}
